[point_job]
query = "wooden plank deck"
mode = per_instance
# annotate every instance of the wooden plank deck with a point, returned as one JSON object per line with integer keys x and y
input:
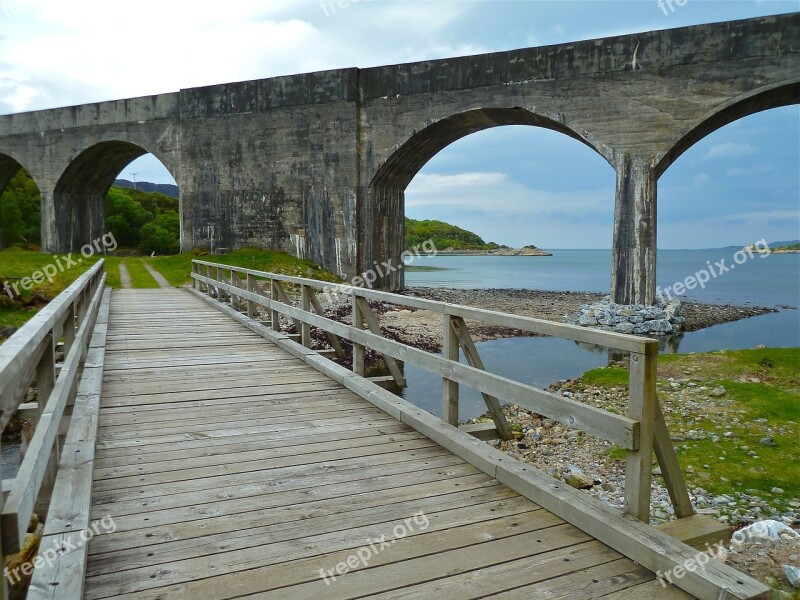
{"x": 234, "y": 470}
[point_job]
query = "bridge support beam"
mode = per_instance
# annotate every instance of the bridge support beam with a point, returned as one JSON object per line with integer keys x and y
{"x": 385, "y": 238}
{"x": 633, "y": 272}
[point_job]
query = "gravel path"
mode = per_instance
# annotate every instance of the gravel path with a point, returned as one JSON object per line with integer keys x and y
{"x": 160, "y": 280}
{"x": 124, "y": 277}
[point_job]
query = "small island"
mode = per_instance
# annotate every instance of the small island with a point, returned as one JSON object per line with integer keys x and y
{"x": 788, "y": 249}
{"x": 453, "y": 240}
{"x": 792, "y": 247}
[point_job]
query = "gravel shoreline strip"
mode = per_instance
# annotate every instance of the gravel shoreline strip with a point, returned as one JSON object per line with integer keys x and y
{"x": 422, "y": 329}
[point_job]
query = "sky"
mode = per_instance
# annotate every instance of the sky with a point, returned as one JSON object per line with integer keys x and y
{"x": 512, "y": 185}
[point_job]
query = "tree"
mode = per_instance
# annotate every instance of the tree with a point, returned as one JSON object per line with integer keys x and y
{"x": 162, "y": 235}
{"x": 22, "y": 192}
{"x": 125, "y": 217}
{"x": 11, "y": 219}
{"x": 443, "y": 235}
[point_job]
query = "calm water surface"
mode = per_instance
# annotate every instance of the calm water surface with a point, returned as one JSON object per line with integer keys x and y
{"x": 772, "y": 281}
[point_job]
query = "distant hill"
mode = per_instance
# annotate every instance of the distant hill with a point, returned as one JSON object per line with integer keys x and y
{"x": 167, "y": 189}
{"x": 783, "y": 244}
{"x": 444, "y": 236}
{"x": 450, "y": 239}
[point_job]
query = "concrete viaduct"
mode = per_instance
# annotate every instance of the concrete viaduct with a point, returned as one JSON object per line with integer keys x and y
{"x": 317, "y": 164}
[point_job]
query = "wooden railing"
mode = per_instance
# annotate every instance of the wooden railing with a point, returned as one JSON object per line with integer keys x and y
{"x": 641, "y": 432}
{"x": 28, "y": 357}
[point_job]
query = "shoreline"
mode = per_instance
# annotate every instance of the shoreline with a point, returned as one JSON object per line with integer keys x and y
{"x": 531, "y": 251}
{"x": 422, "y": 329}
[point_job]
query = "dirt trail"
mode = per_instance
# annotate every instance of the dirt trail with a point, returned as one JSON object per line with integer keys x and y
{"x": 124, "y": 277}
{"x": 160, "y": 280}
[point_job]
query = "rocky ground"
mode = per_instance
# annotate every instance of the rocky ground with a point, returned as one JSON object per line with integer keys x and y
{"x": 590, "y": 463}
{"x": 699, "y": 412}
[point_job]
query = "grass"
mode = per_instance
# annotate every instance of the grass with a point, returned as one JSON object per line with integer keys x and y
{"x": 112, "y": 272}
{"x": 140, "y": 277}
{"x": 15, "y": 317}
{"x": 16, "y": 263}
{"x": 176, "y": 269}
{"x": 761, "y": 400}
{"x": 607, "y": 376}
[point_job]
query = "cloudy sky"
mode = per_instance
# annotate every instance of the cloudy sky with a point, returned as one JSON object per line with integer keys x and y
{"x": 740, "y": 184}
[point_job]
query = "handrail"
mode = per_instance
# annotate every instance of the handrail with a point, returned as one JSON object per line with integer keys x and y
{"x": 640, "y": 432}
{"x": 20, "y": 349}
{"x": 28, "y": 356}
{"x": 609, "y": 339}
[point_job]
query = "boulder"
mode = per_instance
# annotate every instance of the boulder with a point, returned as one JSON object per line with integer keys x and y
{"x": 579, "y": 480}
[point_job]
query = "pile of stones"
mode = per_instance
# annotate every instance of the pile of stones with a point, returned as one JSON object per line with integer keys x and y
{"x": 659, "y": 319}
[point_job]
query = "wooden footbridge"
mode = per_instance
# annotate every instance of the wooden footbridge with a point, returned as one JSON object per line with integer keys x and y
{"x": 192, "y": 444}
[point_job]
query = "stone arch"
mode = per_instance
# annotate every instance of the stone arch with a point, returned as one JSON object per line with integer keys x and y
{"x": 775, "y": 96}
{"x": 9, "y": 166}
{"x": 79, "y": 194}
{"x": 383, "y": 226}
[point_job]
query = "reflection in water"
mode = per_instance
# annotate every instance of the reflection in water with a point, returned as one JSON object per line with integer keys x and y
{"x": 9, "y": 454}
{"x": 537, "y": 362}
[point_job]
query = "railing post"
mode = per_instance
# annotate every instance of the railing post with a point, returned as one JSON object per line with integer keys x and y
{"x": 234, "y": 297}
{"x": 251, "y": 287}
{"x": 82, "y": 306}
{"x": 359, "y": 367}
{"x": 450, "y": 388}
{"x": 68, "y": 331}
{"x": 204, "y": 287}
{"x": 642, "y": 408}
{"x": 46, "y": 374}
{"x": 45, "y": 382}
{"x": 274, "y": 315}
{"x": 218, "y": 278}
{"x": 194, "y": 272}
{"x": 4, "y": 583}
{"x": 305, "y": 304}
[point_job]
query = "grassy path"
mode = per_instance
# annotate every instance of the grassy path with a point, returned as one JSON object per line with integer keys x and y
{"x": 140, "y": 277}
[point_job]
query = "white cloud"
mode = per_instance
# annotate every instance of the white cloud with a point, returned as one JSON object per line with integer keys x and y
{"x": 185, "y": 57}
{"x": 762, "y": 216}
{"x": 754, "y": 170}
{"x": 732, "y": 229}
{"x": 18, "y": 95}
{"x": 730, "y": 150}
{"x": 55, "y": 53}
{"x": 426, "y": 184}
{"x": 496, "y": 194}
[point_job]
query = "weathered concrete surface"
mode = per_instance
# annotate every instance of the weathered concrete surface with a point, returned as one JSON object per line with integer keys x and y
{"x": 317, "y": 164}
